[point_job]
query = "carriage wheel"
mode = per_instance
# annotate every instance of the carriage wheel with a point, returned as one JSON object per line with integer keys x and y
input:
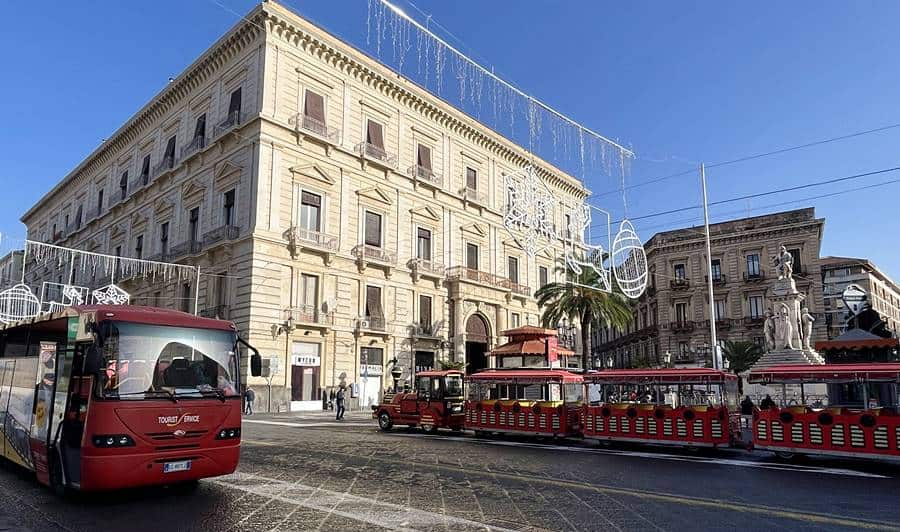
{"x": 429, "y": 429}
{"x": 385, "y": 422}
{"x": 787, "y": 456}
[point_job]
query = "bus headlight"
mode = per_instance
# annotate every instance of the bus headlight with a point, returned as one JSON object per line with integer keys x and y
{"x": 112, "y": 440}
{"x": 229, "y": 434}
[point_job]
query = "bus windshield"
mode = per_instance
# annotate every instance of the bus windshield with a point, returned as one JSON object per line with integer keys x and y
{"x": 149, "y": 361}
{"x": 454, "y": 385}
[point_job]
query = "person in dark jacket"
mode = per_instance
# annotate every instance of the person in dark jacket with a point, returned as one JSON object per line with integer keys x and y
{"x": 747, "y": 406}
{"x": 339, "y": 402}
{"x": 767, "y": 402}
{"x": 249, "y": 397}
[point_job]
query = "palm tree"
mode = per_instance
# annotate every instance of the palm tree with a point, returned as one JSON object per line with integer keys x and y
{"x": 741, "y": 355}
{"x": 574, "y": 300}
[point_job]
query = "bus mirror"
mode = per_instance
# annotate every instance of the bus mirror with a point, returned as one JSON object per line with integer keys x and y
{"x": 255, "y": 365}
{"x": 93, "y": 360}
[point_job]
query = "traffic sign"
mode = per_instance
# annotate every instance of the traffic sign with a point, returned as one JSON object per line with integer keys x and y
{"x": 855, "y": 298}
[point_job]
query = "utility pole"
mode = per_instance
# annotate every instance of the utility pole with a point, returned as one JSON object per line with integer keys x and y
{"x": 709, "y": 276}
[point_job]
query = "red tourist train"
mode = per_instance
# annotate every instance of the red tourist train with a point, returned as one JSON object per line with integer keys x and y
{"x": 109, "y": 397}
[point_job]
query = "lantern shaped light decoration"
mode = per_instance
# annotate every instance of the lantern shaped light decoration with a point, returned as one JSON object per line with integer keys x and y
{"x": 629, "y": 261}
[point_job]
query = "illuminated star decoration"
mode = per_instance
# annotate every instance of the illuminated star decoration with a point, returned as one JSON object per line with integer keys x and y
{"x": 111, "y": 295}
{"x": 581, "y": 254}
{"x": 529, "y": 210}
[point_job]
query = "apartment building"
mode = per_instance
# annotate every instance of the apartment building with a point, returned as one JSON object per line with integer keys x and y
{"x": 11, "y": 268}
{"x": 341, "y": 215}
{"x": 840, "y": 272}
{"x": 672, "y": 317}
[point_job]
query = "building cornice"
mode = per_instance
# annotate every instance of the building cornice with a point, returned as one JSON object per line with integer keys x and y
{"x": 737, "y": 238}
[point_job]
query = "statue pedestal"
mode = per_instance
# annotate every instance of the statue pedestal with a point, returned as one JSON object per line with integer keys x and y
{"x": 784, "y": 292}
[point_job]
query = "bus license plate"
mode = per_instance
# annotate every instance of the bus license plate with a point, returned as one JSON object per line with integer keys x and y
{"x": 172, "y": 467}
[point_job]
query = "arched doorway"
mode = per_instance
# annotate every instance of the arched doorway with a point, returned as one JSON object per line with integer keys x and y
{"x": 476, "y": 343}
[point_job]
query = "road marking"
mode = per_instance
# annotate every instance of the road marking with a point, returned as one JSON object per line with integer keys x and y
{"x": 655, "y": 456}
{"x": 310, "y": 424}
{"x": 771, "y": 511}
{"x": 383, "y": 514}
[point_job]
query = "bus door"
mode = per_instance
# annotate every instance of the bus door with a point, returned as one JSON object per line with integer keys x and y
{"x": 51, "y": 389}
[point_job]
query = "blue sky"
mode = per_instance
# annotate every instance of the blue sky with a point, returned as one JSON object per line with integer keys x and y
{"x": 679, "y": 82}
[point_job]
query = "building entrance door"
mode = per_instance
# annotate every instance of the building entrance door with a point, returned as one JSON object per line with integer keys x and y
{"x": 476, "y": 343}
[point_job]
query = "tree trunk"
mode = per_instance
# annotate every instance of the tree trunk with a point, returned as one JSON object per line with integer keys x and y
{"x": 585, "y": 343}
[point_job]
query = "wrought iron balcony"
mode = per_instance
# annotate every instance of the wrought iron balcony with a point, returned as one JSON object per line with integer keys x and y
{"x": 755, "y": 276}
{"x": 718, "y": 280}
{"x": 219, "y": 234}
{"x": 376, "y": 153}
{"x": 231, "y": 122}
{"x": 195, "y": 145}
{"x": 520, "y": 289}
{"x": 475, "y": 196}
{"x": 425, "y": 330}
{"x": 424, "y": 175}
{"x": 188, "y": 247}
{"x": 425, "y": 267}
{"x": 680, "y": 284}
{"x": 219, "y": 312}
{"x": 682, "y": 326}
{"x": 723, "y": 324}
{"x": 308, "y": 124}
{"x": 308, "y": 314}
{"x": 461, "y": 273}
{"x": 754, "y": 321}
{"x": 373, "y": 253}
{"x": 163, "y": 166}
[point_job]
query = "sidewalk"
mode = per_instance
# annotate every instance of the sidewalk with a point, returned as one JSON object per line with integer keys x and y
{"x": 316, "y": 415}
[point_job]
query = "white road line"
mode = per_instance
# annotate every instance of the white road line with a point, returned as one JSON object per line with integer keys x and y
{"x": 310, "y": 424}
{"x": 656, "y": 456}
{"x": 383, "y": 514}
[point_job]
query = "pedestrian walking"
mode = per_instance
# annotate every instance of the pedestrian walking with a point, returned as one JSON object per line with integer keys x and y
{"x": 767, "y": 402}
{"x": 339, "y": 402}
{"x": 747, "y": 406}
{"x": 249, "y": 397}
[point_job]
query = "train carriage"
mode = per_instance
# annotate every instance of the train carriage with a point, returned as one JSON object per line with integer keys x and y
{"x": 535, "y": 402}
{"x": 861, "y": 419}
{"x": 681, "y": 407}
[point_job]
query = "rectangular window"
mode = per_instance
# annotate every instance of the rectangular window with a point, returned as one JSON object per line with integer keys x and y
{"x": 186, "y": 297}
{"x": 164, "y": 238}
{"x": 99, "y": 202}
{"x": 374, "y": 310}
{"x": 423, "y": 244}
{"x": 139, "y": 247}
{"x": 423, "y": 158}
{"x": 200, "y": 130}
{"x": 228, "y": 208}
{"x": 471, "y": 256}
{"x": 798, "y": 265}
{"x": 372, "y": 356}
{"x": 425, "y": 311}
{"x": 683, "y": 349}
{"x": 221, "y": 290}
{"x": 313, "y": 111}
{"x": 310, "y": 211}
{"x": 753, "y": 265}
{"x": 169, "y": 156}
{"x": 145, "y": 170}
{"x": 194, "y": 225}
{"x": 375, "y": 135}
{"x": 512, "y": 269}
{"x": 373, "y": 229}
{"x": 679, "y": 272}
{"x": 720, "y": 309}
{"x": 123, "y": 185}
{"x": 543, "y": 276}
{"x": 680, "y": 313}
{"x": 234, "y": 106}
{"x": 79, "y": 214}
{"x": 756, "y": 306}
{"x": 514, "y": 319}
{"x": 716, "y": 270}
{"x": 309, "y": 292}
{"x": 567, "y": 230}
{"x": 471, "y": 178}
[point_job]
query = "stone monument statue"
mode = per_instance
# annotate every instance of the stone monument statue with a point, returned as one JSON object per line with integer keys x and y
{"x": 769, "y": 330}
{"x": 784, "y": 328}
{"x": 807, "y": 320}
{"x": 784, "y": 264}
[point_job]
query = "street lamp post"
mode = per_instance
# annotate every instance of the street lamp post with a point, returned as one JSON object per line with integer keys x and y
{"x": 609, "y": 362}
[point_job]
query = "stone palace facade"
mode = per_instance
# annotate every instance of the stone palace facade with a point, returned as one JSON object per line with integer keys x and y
{"x": 341, "y": 215}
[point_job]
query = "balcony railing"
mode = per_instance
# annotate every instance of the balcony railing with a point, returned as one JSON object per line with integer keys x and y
{"x": 371, "y": 323}
{"x": 426, "y": 330}
{"x": 680, "y": 284}
{"x": 188, "y": 247}
{"x": 475, "y": 196}
{"x": 162, "y": 256}
{"x": 755, "y": 276}
{"x": 219, "y": 312}
{"x": 232, "y": 121}
{"x": 373, "y": 253}
{"x": 426, "y": 267}
{"x": 681, "y": 326}
{"x": 723, "y": 324}
{"x": 520, "y": 289}
{"x": 754, "y": 321}
{"x": 424, "y": 174}
{"x": 308, "y": 314}
{"x": 461, "y": 273}
{"x": 318, "y": 128}
{"x": 718, "y": 280}
{"x": 166, "y": 164}
{"x": 376, "y": 153}
{"x": 219, "y": 234}
{"x": 315, "y": 238}
{"x": 196, "y": 145}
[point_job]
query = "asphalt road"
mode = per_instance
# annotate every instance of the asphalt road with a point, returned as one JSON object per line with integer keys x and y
{"x": 311, "y": 473}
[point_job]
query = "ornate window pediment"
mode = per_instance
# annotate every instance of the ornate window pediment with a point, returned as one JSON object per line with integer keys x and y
{"x": 375, "y": 194}
{"x": 116, "y": 230}
{"x": 426, "y": 212}
{"x": 193, "y": 189}
{"x": 226, "y": 173}
{"x": 312, "y": 171}
{"x": 138, "y": 218}
{"x": 475, "y": 229}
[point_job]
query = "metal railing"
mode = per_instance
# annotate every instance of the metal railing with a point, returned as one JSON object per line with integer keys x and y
{"x": 225, "y": 232}
{"x": 318, "y": 128}
{"x": 422, "y": 173}
{"x": 160, "y": 257}
{"x": 373, "y": 152}
{"x": 461, "y": 273}
{"x": 425, "y": 329}
{"x": 426, "y": 267}
{"x": 375, "y": 253}
{"x": 315, "y": 238}
{"x": 681, "y": 326}
{"x": 475, "y": 195}
{"x": 721, "y": 324}
{"x": 754, "y": 321}
{"x": 371, "y": 323}
{"x": 219, "y": 312}
{"x": 166, "y": 164}
{"x": 195, "y": 145}
{"x": 756, "y": 276}
{"x": 717, "y": 279}
{"x": 188, "y": 247}
{"x": 308, "y": 314}
{"x": 680, "y": 284}
{"x": 232, "y": 121}
{"x": 520, "y": 289}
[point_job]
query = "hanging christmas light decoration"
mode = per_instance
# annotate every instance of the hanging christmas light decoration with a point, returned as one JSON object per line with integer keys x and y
{"x": 529, "y": 210}
{"x": 629, "y": 261}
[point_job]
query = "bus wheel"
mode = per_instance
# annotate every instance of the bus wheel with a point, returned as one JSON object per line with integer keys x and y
{"x": 480, "y": 434}
{"x": 786, "y": 456}
{"x": 429, "y": 429}
{"x": 384, "y": 421}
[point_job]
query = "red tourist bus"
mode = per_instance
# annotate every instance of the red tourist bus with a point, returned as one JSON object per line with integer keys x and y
{"x": 860, "y": 420}
{"x": 537, "y": 402}
{"x": 436, "y": 402}
{"x": 109, "y": 397}
{"x": 694, "y": 407}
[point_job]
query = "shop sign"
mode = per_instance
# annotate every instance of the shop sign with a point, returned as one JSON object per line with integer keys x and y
{"x": 306, "y": 360}
{"x": 372, "y": 370}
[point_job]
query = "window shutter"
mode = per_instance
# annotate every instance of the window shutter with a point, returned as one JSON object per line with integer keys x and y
{"x": 311, "y": 199}
{"x": 424, "y": 159}
{"x": 374, "y": 135}
{"x": 471, "y": 178}
{"x": 373, "y": 229}
{"x": 234, "y": 106}
{"x": 314, "y": 106}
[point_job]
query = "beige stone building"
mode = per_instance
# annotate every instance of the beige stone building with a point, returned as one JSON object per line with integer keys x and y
{"x": 884, "y": 294}
{"x": 341, "y": 215}
{"x": 673, "y": 315}
{"x": 11, "y": 268}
